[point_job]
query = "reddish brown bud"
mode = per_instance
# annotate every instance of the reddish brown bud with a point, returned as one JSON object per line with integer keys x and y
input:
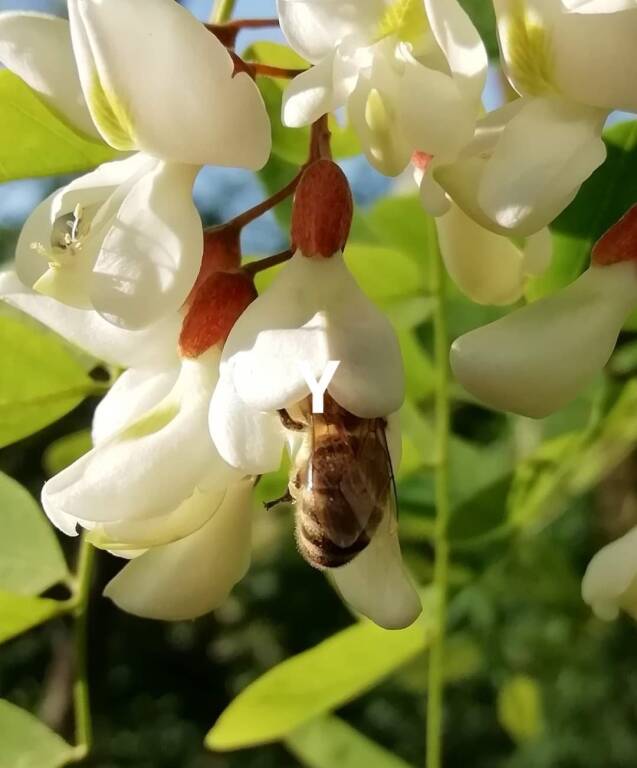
{"x": 323, "y": 210}
{"x": 214, "y": 309}
{"x": 619, "y": 243}
{"x": 221, "y": 253}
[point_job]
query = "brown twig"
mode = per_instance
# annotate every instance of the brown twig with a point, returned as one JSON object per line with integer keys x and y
{"x": 254, "y": 267}
{"x": 247, "y": 217}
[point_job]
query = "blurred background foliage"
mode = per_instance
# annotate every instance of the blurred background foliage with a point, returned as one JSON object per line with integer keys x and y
{"x": 533, "y": 680}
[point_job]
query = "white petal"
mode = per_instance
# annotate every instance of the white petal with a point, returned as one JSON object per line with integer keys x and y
{"x": 543, "y": 156}
{"x": 151, "y": 255}
{"x": 433, "y": 197}
{"x": 219, "y": 119}
{"x": 313, "y": 313}
{"x": 309, "y": 95}
{"x": 193, "y": 576}
{"x": 610, "y": 581}
{"x": 315, "y": 27}
{"x": 156, "y": 345}
{"x": 136, "y": 392}
{"x": 250, "y": 440}
{"x": 486, "y": 267}
{"x": 538, "y": 252}
{"x": 377, "y": 584}
{"x": 129, "y": 536}
{"x": 153, "y": 465}
{"x": 596, "y": 62}
{"x": 461, "y": 43}
{"x": 537, "y": 359}
{"x": 37, "y": 47}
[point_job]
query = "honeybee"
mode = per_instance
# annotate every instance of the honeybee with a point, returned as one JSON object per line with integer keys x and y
{"x": 342, "y": 483}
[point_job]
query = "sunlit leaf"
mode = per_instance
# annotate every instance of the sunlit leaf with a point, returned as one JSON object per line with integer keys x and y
{"x": 28, "y": 743}
{"x": 19, "y": 613}
{"x": 329, "y": 741}
{"x": 30, "y": 557}
{"x": 520, "y": 708}
{"x": 36, "y": 142}
{"x": 315, "y": 682}
{"x": 40, "y": 380}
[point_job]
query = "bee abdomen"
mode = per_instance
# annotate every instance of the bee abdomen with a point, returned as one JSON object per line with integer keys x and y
{"x": 319, "y": 550}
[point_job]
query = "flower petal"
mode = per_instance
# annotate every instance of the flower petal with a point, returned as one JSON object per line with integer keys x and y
{"x": 596, "y": 64}
{"x": 462, "y": 45}
{"x": 610, "y": 579}
{"x": 543, "y": 156}
{"x": 136, "y": 392}
{"x": 312, "y": 313}
{"x": 314, "y": 27}
{"x": 150, "y": 467}
{"x": 151, "y": 255}
{"x": 537, "y": 359}
{"x": 377, "y": 584}
{"x": 250, "y": 440}
{"x": 486, "y": 267}
{"x": 154, "y": 346}
{"x": 193, "y": 576}
{"x": 219, "y": 119}
{"x": 37, "y": 48}
{"x": 309, "y": 95}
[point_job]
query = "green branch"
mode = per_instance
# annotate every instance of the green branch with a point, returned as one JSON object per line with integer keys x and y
{"x": 441, "y": 567}
{"x": 81, "y": 703}
{"x": 222, "y": 11}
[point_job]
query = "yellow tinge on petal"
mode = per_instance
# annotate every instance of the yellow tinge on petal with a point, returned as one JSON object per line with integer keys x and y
{"x": 382, "y": 128}
{"x": 407, "y": 19}
{"x": 530, "y": 52}
{"x": 111, "y": 116}
{"x": 152, "y": 422}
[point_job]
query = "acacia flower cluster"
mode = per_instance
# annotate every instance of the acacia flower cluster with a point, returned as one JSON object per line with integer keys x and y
{"x": 219, "y": 382}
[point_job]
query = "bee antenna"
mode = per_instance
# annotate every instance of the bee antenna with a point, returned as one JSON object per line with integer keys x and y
{"x": 285, "y": 499}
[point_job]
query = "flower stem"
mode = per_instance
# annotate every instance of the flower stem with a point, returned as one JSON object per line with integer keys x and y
{"x": 222, "y": 10}
{"x": 441, "y": 568}
{"x": 254, "y": 267}
{"x": 81, "y": 704}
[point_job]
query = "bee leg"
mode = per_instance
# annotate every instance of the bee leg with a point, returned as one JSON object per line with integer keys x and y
{"x": 289, "y": 423}
{"x": 287, "y": 498}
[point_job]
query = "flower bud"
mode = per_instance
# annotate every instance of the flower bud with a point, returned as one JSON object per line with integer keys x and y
{"x": 619, "y": 243}
{"x": 323, "y": 210}
{"x": 221, "y": 253}
{"x": 610, "y": 581}
{"x": 217, "y": 305}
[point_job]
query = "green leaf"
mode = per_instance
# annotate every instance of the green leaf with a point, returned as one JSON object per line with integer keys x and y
{"x": 384, "y": 274}
{"x": 40, "y": 380}
{"x": 36, "y": 142}
{"x": 401, "y": 223}
{"x": 603, "y": 199}
{"x": 27, "y": 743}
{"x": 329, "y": 741}
{"x": 30, "y": 556}
{"x": 19, "y": 613}
{"x": 315, "y": 682}
{"x": 520, "y": 708}
{"x": 68, "y": 449}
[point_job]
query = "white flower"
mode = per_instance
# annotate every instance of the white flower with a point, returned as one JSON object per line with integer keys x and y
{"x": 487, "y": 267}
{"x": 153, "y": 489}
{"x": 572, "y": 64}
{"x": 314, "y": 313}
{"x": 410, "y": 72}
{"x": 537, "y": 359}
{"x": 610, "y": 581}
{"x": 127, "y": 239}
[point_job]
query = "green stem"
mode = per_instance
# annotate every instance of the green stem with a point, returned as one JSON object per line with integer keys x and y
{"x": 81, "y": 703}
{"x": 441, "y": 568}
{"x": 222, "y": 11}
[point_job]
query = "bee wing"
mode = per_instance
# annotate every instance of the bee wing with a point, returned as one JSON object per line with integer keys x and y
{"x": 366, "y": 486}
